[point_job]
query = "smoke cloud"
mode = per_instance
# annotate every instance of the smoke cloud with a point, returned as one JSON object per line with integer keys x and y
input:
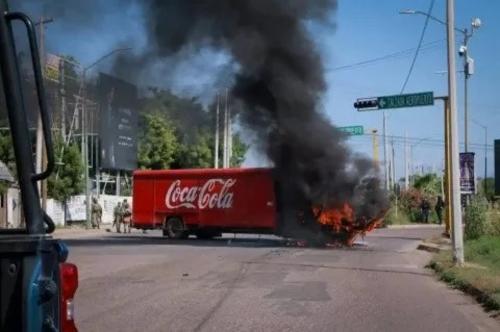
{"x": 278, "y": 79}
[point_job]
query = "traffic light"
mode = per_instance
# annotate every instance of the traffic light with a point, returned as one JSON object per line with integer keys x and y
{"x": 366, "y": 103}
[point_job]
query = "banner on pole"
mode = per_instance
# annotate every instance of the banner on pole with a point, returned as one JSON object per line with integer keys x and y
{"x": 467, "y": 173}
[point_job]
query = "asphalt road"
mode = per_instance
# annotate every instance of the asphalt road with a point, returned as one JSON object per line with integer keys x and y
{"x": 146, "y": 283}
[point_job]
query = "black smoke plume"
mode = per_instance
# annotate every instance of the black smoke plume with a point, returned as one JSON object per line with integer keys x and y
{"x": 279, "y": 80}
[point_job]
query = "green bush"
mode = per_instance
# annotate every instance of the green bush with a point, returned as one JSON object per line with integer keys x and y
{"x": 476, "y": 223}
{"x": 493, "y": 217}
{"x": 401, "y": 218}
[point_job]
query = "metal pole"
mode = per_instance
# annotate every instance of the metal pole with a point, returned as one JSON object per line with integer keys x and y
{"x": 386, "y": 166}
{"x": 85, "y": 150}
{"x": 224, "y": 151}
{"x": 466, "y": 104}
{"x": 407, "y": 164}
{"x": 375, "y": 148}
{"x": 229, "y": 135}
{"x": 393, "y": 167}
{"x": 62, "y": 92}
{"x": 217, "y": 121}
{"x": 97, "y": 166}
{"x": 118, "y": 183}
{"x": 457, "y": 238}
{"x": 485, "y": 161}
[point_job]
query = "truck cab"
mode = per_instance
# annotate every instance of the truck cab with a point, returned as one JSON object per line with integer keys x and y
{"x": 37, "y": 284}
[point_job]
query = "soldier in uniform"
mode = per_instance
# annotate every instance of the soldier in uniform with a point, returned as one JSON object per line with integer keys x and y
{"x": 96, "y": 213}
{"x": 126, "y": 214}
{"x": 117, "y": 213}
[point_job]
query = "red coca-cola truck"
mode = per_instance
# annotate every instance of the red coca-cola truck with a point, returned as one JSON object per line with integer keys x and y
{"x": 205, "y": 202}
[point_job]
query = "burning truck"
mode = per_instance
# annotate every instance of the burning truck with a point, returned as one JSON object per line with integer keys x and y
{"x": 207, "y": 202}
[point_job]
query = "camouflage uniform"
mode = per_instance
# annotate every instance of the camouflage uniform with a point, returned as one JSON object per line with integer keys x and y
{"x": 117, "y": 213}
{"x": 126, "y": 213}
{"x": 96, "y": 214}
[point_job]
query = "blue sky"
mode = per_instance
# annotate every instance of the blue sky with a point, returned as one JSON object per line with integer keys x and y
{"x": 370, "y": 29}
{"x": 365, "y": 29}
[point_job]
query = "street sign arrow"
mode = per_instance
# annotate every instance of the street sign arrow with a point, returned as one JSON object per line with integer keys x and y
{"x": 406, "y": 100}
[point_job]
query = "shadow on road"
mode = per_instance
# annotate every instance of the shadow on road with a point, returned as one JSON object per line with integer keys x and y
{"x": 137, "y": 240}
{"x": 238, "y": 242}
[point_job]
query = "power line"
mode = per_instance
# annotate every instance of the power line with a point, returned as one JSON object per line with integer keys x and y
{"x": 399, "y": 54}
{"x": 429, "y": 142}
{"x": 427, "y": 18}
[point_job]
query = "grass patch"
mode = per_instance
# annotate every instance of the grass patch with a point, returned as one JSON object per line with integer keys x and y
{"x": 480, "y": 277}
{"x": 399, "y": 218}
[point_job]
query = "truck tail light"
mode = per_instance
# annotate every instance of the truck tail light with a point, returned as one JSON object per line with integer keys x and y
{"x": 69, "y": 284}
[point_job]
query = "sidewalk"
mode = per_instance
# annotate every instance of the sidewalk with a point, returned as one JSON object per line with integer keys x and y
{"x": 415, "y": 226}
{"x": 78, "y": 231}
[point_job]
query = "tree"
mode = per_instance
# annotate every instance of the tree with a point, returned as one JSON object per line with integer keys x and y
{"x": 239, "y": 151}
{"x": 157, "y": 143}
{"x": 67, "y": 178}
{"x": 197, "y": 154}
{"x": 489, "y": 185}
{"x": 7, "y": 151}
{"x": 193, "y": 128}
{"x": 428, "y": 184}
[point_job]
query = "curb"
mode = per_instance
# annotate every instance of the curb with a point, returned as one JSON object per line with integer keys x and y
{"x": 417, "y": 226}
{"x": 485, "y": 299}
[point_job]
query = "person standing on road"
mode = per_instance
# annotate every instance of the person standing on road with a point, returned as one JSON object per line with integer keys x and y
{"x": 96, "y": 213}
{"x": 126, "y": 214}
{"x": 117, "y": 212}
{"x": 439, "y": 209}
{"x": 425, "y": 208}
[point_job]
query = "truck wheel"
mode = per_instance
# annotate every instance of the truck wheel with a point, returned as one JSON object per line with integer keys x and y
{"x": 175, "y": 228}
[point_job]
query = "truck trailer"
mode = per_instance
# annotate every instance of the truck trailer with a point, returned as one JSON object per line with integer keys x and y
{"x": 205, "y": 202}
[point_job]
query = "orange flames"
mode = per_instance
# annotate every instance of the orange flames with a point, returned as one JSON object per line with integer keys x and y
{"x": 335, "y": 217}
{"x": 342, "y": 221}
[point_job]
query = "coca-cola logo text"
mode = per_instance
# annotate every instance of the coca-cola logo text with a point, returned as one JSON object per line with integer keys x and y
{"x": 215, "y": 193}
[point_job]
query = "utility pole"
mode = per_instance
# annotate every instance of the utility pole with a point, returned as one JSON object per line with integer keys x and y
{"x": 41, "y": 158}
{"x": 468, "y": 62}
{"x": 386, "y": 158}
{"x": 229, "y": 136}
{"x": 407, "y": 179}
{"x": 457, "y": 237}
{"x": 62, "y": 92}
{"x": 485, "y": 161}
{"x": 224, "y": 151}
{"x": 118, "y": 183}
{"x": 446, "y": 179}
{"x": 217, "y": 121}
{"x": 375, "y": 148}
{"x": 393, "y": 163}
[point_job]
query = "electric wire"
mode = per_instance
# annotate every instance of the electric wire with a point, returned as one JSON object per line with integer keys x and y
{"x": 410, "y": 71}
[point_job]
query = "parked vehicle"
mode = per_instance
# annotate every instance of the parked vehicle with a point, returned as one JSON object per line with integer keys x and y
{"x": 37, "y": 284}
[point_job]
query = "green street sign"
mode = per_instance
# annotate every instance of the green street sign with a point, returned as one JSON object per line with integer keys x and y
{"x": 406, "y": 100}
{"x": 352, "y": 130}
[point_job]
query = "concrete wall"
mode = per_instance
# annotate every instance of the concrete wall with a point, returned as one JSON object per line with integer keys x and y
{"x": 76, "y": 210}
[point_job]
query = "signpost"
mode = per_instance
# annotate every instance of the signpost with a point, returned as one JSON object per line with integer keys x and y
{"x": 352, "y": 130}
{"x": 406, "y": 100}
